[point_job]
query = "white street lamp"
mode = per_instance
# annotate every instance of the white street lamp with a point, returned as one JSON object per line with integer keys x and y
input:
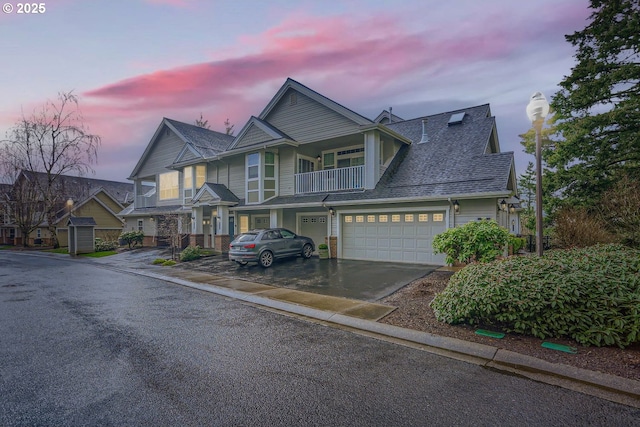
{"x": 537, "y": 110}
{"x": 69, "y": 205}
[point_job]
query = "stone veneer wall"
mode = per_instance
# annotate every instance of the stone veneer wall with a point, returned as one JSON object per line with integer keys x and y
{"x": 333, "y": 246}
{"x": 222, "y": 242}
{"x": 196, "y": 240}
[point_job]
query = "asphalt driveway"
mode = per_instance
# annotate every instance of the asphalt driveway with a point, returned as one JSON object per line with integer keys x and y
{"x": 362, "y": 280}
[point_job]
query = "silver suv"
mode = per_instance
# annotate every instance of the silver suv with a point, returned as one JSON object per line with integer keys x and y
{"x": 263, "y": 246}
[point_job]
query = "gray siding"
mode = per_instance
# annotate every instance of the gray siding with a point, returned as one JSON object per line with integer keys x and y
{"x": 236, "y": 176}
{"x": 308, "y": 121}
{"x": 253, "y": 135}
{"x": 84, "y": 236}
{"x": 162, "y": 154}
{"x": 286, "y": 169}
{"x": 471, "y": 210}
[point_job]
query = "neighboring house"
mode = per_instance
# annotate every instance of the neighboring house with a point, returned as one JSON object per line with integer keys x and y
{"x": 375, "y": 189}
{"x": 7, "y": 229}
{"x": 99, "y": 199}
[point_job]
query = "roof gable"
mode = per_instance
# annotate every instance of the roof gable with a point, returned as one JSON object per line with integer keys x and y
{"x": 257, "y": 131}
{"x": 214, "y": 192}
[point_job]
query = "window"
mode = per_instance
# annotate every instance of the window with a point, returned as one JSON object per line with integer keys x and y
{"x": 343, "y": 158}
{"x": 371, "y": 218}
{"x": 286, "y": 234}
{"x": 169, "y": 185}
{"x": 140, "y": 225}
{"x": 359, "y": 218}
{"x": 261, "y": 176}
{"x": 187, "y": 177}
{"x": 395, "y": 218}
{"x": 201, "y": 175}
{"x": 253, "y": 178}
{"x": 269, "y": 175}
{"x": 244, "y": 223}
{"x": 383, "y": 218}
{"x": 408, "y": 218}
{"x": 39, "y": 233}
{"x": 438, "y": 217}
{"x": 348, "y": 218}
{"x": 423, "y": 217}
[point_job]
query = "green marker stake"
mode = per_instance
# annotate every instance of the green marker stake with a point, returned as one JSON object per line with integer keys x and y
{"x": 560, "y": 347}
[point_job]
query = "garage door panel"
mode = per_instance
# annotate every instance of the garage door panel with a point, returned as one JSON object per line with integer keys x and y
{"x": 402, "y": 237}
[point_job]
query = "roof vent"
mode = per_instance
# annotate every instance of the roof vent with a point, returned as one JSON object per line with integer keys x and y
{"x": 456, "y": 118}
{"x": 425, "y": 137}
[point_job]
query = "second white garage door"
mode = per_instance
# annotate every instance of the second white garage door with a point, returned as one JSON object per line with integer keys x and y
{"x": 400, "y": 237}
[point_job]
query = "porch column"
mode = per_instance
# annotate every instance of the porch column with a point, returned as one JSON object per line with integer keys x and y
{"x": 275, "y": 218}
{"x": 223, "y": 220}
{"x": 371, "y": 159}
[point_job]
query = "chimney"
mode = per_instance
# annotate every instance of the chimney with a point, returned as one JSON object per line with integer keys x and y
{"x": 425, "y": 137}
{"x": 390, "y": 115}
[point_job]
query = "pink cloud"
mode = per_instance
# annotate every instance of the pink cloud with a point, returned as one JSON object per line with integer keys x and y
{"x": 174, "y": 3}
{"x": 348, "y": 59}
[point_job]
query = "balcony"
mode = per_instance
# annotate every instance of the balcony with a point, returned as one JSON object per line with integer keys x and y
{"x": 351, "y": 178}
{"x": 145, "y": 201}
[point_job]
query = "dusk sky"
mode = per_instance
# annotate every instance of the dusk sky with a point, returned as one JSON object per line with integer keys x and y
{"x": 132, "y": 62}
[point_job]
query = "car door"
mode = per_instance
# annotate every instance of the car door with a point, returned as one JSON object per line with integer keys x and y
{"x": 272, "y": 240}
{"x": 292, "y": 244}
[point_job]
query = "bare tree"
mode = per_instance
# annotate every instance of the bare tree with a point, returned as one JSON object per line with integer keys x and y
{"x": 228, "y": 127}
{"x": 172, "y": 227}
{"x": 201, "y": 122}
{"x": 54, "y": 141}
{"x": 22, "y": 202}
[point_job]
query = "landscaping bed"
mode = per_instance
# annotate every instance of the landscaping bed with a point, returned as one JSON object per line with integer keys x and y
{"x": 413, "y": 312}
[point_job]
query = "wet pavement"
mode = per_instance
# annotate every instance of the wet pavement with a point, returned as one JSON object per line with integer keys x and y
{"x": 360, "y": 280}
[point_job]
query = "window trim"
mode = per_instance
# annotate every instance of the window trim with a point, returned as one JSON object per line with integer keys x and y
{"x": 261, "y": 179}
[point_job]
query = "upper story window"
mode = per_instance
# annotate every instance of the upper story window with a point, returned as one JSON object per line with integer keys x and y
{"x": 261, "y": 176}
{"x": 194, "y": 177}
{"x": 169, "y": 185}
{"x": 343, "y": 157}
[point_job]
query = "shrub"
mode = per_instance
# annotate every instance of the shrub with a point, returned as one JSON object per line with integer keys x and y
{"x": 169, "y": 263}
{"x": 323, "y": 246}
{"x": 132, "y": 238}
{"x": 577, "y": 228}
{"x": 591, "y": 295}
{"x": 620, "y": 210}
{"x": 481, "y": 241}
{"x": 159, "y": 261}
{"x": 104, "y": 245}
{"x": 190, "y": 253}
{"x": 516, "y": 243}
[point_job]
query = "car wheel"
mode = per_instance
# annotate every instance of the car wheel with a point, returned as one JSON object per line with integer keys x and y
{"x": 266, "y": 259}
{"x": 242, "y": 262}
{"x": 307, "y": 251}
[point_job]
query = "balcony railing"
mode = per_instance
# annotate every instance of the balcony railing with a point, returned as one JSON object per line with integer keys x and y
{"x": 351, "y": 178}
{"x": 145, "y": 201}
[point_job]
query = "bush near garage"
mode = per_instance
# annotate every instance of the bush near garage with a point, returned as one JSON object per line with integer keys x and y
{"x": 591, "y": 295}
{"x": 480, "y": 241}
{"x": 190, "y": 253}
{"x": 132, "y": 238}
{"x": 104, "y": 245}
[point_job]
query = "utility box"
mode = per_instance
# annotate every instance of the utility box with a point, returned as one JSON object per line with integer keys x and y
{"x": 82, "y": 235}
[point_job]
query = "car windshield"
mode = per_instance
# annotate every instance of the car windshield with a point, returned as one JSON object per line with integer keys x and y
{"x": 247, "y": 237}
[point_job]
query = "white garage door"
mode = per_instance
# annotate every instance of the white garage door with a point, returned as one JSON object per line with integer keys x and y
{"x": 314, "y": 226}
{"x": 400, "y": 237}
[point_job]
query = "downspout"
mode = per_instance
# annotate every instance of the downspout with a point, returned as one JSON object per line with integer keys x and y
{"x": 453, "y": 213}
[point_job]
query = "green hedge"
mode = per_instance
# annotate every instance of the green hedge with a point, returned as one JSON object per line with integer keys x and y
{"x": 480, "y": 241}
{"x": 190, "y": 253}
{"x": 590, "y": 294}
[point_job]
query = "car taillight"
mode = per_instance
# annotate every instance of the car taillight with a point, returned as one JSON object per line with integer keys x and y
{"x": 250, "y": 246}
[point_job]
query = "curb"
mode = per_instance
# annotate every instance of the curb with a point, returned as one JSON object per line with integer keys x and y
{"x": 605, "y": 386}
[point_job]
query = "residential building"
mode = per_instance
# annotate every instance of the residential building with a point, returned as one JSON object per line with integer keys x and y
{"x": 374, "y": 189}
{"x": 99, "y": 199}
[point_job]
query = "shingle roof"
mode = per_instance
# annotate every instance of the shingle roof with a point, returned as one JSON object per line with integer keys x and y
{"x": 451, "y": 162}
{"x": 206, "y": 142}
{"x": 82, "y": 221}
{"x": 79, "y": 188}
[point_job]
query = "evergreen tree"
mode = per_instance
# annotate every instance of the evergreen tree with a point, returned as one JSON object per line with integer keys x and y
{"x": 599, "y": 106}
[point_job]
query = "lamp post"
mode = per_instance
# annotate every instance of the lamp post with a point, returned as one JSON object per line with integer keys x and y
{"x": 69, "y": 205}
{"x": 537, "y": 110}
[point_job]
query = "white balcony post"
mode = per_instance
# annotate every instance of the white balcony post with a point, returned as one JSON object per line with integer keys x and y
{"x": 371, "y": 159}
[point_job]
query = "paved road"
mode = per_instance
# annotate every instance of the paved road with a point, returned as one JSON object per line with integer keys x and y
{"x": 84, "y": 345}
